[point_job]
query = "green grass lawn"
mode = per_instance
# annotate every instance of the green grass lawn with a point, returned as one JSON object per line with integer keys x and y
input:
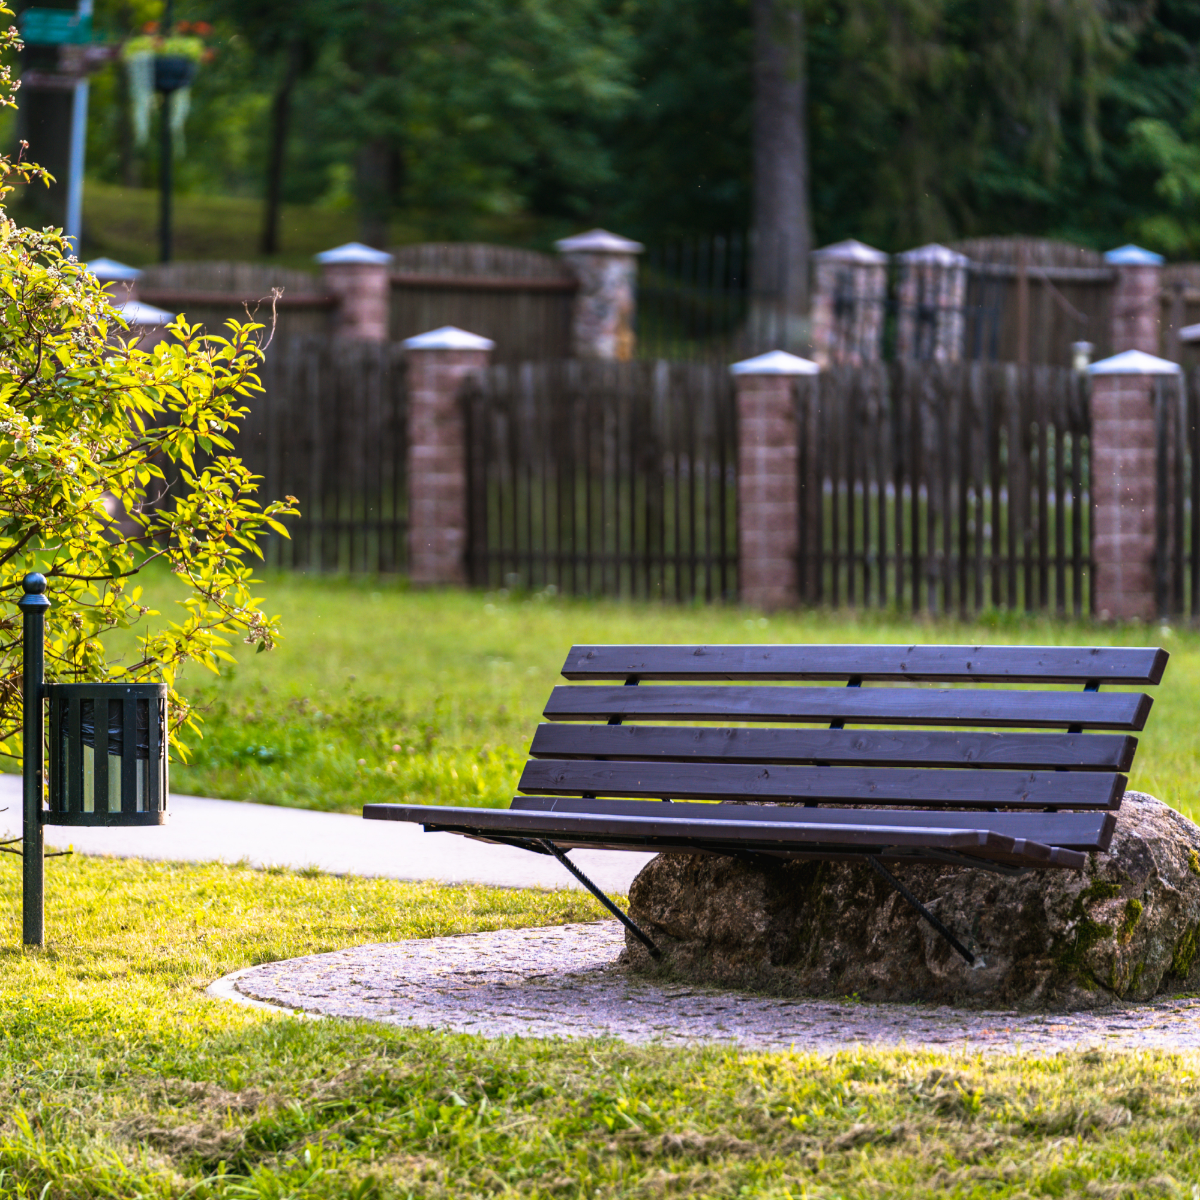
{"x": 120, "y": 1079}
{"x": 383, "y": 694}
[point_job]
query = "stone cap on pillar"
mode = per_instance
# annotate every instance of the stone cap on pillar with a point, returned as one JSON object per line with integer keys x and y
{"x": 776, "y": 362}
{"x": 138, "y": 313}
{"x": 353, "y": 253}
{"x": 108, "y": 270}
{"x": 1133, "y": 256}
{"x": 851, "y": 251}
{"x": 936, "y": 254}
{"x": 449, "y": 337}
{"x": 1134, "y": 362}
{"x": 598, "y": 241}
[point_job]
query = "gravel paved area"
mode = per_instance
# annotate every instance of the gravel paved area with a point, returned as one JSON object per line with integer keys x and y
{"x": 562, "y": 982}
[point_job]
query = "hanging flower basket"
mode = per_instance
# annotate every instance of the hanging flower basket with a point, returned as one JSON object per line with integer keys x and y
{"x": 166, "y": 65}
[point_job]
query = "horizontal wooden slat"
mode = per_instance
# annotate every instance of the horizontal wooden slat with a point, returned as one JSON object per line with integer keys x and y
{"x": 861, "y": 706}
{"x": 847, "y": 747}
{"x": 833, "y": 838}
{"x": 1071, "y": 830}
{"x": 927, "y": 664}
{"x": 847, "y": 785}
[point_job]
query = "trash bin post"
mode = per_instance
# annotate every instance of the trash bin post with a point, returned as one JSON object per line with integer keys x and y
{"x": 33, "y": 605}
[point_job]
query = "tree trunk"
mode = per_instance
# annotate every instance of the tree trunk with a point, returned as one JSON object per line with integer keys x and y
{"x": 281, "y": 112}
{"x": 373, "y": 169}
{"x": 782, "y": 223}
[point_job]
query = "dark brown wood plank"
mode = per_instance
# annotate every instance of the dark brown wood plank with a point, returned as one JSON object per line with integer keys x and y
{"x": 1139, "y": 666}
{"x": 793, "y": 784}
{"x": 1072, "y": 830}
{"x": 860, "y": 706}
{"x": 844, "y": 747}
{"x": 861, "y": 837}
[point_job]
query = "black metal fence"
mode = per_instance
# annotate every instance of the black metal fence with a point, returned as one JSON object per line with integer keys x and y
{"x": 600, "y": 478}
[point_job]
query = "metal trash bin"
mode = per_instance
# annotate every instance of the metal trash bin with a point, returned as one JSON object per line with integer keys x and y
{"x": 98, "y": 775}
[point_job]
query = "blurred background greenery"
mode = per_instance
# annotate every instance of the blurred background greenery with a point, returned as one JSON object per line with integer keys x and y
{"x": 520, "y": 120}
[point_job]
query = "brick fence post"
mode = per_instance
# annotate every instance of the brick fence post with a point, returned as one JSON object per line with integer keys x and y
{"x": 360, "y": 278}
{"x": 602, "y": 317}
{"x": 768, "y": 483}
{"x": 1136, "y": 306}
{"x": 437, "y": 452}
{"x": 1124, "y": 493}
{"x": 931, "y": 322}
{"x": 849, "y": 299}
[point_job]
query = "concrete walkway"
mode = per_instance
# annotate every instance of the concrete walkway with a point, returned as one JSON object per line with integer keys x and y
{"x": 264, "y": 835}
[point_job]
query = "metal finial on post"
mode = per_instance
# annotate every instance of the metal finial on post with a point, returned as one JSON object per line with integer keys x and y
{"x": 33, "y": 605}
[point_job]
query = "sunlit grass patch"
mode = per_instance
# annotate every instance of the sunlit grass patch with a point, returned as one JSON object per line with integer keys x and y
{"x": 120, "y": 1078}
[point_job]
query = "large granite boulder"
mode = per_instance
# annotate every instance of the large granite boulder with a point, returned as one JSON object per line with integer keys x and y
{"x": 1125, "y": 928}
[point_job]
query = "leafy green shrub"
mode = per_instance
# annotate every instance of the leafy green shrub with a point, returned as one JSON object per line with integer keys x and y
{"x": 91, "y": 423}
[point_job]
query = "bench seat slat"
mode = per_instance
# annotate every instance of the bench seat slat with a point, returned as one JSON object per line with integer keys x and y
{"x": 849, "y": 747}
{"x": 1072, "y": 830}
{"x": 834, "y": 837}
{"x": 848, "y": 785}
{"x": 1136, "y": 666}
{"x": 864, "y": 706}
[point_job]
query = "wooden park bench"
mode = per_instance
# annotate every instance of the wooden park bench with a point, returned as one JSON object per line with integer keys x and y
{"x": 964, "y": 775}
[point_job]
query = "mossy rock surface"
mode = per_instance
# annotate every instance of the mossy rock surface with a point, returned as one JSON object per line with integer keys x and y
{"x": 1125, "y": 928}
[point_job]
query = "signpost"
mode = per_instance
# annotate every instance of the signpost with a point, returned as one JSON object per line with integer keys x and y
{"x": 61, "y": 27}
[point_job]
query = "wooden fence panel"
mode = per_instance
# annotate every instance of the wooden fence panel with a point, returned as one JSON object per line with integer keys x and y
{"x": 945, "y": 487}
{"x": 331, "y": 430}
{"x": 602, "y": 478}
{"x": 1177, "y": 535}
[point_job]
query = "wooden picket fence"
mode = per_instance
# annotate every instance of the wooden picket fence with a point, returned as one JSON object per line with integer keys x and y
{"x": 596, "y": 478}
{"x": 1177, "y": 502}
{"x": 947, "y": 488}
{"x": 331, "y": 430}
{"x": 925, "y": 487}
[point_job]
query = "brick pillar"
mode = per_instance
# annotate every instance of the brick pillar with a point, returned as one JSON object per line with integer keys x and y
{"x": 848, "y": 301}
{"x": 931, "y": 322}
{"x": 768, "y": 487}
{"x": 1124, "y": 495}
{"x": 1136, "y": 311}
{"x": 605, "y": 266}
{"x": 437, "y": 452}
{"x": 360, "y": 278}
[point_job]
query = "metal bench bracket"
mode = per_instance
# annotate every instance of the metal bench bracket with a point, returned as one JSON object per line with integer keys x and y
{"x": 921, "y": 908}
{"x": 561, "y": 855}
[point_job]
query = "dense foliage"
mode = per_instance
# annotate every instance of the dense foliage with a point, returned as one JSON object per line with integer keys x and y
{"x": 113, "y": 457}
{"x": 928, "y": 118}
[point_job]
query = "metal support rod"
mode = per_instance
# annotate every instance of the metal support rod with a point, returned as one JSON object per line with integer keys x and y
{"x": 164, "y": 179}
{"x": 655, "y": 952}
{"x": 921, "y": 908}
{"x": 164, "y": 171}
{"x": 33, "y": 605}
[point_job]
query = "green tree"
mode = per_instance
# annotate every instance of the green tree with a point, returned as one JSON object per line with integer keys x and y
{"x": 454, "y": 106}
{"x": 288, "y": 34}
{"x": 89, "y": 419}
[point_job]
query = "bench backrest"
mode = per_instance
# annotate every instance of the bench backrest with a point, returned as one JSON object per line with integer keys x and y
{"x": 993, "y": 748}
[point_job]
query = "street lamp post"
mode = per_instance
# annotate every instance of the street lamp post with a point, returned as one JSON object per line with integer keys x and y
{"x": 171, "y": 72}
